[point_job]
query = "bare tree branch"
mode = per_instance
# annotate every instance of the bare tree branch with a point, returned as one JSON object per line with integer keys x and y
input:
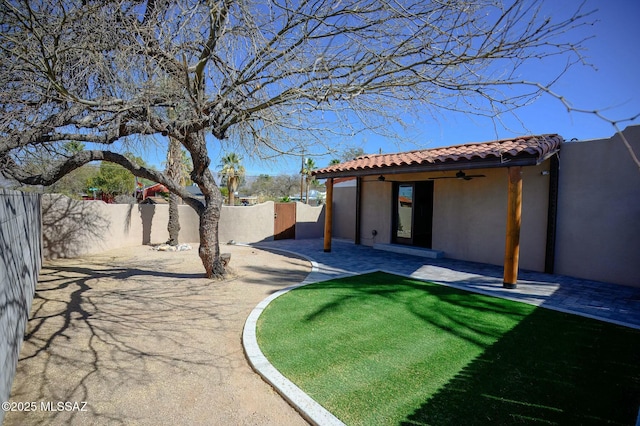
{"x": 264, "y": 74}
{"x": 60, "y": 170}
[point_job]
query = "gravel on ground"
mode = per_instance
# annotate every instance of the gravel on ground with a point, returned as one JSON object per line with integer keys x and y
{"x": 139, "y": 337}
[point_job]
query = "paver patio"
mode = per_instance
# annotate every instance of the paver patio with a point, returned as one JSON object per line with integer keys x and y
{"x": 615, "y": 303}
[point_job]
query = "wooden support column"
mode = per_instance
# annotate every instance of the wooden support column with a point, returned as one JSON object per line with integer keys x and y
{"x": 328, "y": 215}
{"x": 514, "y": 212}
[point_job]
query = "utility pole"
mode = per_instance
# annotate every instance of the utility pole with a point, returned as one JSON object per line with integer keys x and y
{"x": 301, "y": 174}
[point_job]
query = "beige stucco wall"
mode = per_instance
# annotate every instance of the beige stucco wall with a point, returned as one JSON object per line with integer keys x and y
{"x": 246, "y": 224}
{"x": 599, "y": 210}
{"x": 375, "y": 211}
{"x": 469, "y": 220}
{"x": 469, "y": 217}
{"x": 309, "y": 221}
{"x": 73, "y": 228}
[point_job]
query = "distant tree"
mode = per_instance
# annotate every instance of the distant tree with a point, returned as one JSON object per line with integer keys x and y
{"x": 75, "y": 183}
{"x": 262, "y": 186}
{"x": 113, "y": 179}
{"x": 274, "y": 188}
{"x": 73, "y": 147}
{"x": 177, "y": 169}
{"x": 351, "y": 154}
{"x": 232, "y": 172}
{"x": 334, "y": 161}
{"x": 225, "y": 192}
{"x": 186, "y": 165}
{"x": 285, "y": 185}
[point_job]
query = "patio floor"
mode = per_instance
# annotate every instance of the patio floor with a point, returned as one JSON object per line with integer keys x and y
{"x": 609, "y": 302}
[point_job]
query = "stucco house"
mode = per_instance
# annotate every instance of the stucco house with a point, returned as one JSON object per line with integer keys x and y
{"x": 534, "y": 202}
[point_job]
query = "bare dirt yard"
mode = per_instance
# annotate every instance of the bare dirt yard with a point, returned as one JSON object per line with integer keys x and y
{"x": 139, "y": 337}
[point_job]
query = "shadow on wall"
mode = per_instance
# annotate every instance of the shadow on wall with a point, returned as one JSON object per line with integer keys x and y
{"x": 146, "y": 214}
{"x": 20, "y": 260}
{"x": 70, "y": 225}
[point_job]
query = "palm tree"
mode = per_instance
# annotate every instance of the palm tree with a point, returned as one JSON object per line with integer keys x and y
{"x": 178, "y": 167}
{"x": 175, "y": 168}
{"x": 308, "y": 167}
{"x": 232, "y": 171}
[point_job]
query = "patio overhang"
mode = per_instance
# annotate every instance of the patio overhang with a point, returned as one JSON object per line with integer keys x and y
{"x": 524, "y": 151}
{"x": 512, "y": 154}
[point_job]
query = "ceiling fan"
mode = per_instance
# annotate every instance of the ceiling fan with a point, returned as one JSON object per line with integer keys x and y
{"x": 459, "y": 175}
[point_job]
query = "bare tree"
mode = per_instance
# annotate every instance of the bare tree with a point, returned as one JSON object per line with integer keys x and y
{"x": 108, "y": 72}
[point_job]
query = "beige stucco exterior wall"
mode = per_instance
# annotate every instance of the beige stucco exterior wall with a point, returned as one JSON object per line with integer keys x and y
{"x": 309, "y": 221}
{"x": 599, "y": 210}
{"x": 376, "y": 212}
{"x": 469, "y": 220}
{"x": 469, "y": 217}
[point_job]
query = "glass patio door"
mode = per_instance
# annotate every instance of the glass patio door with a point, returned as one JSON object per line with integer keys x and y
{"x": 404, "y": 213}
{"x": 413, "y": 213}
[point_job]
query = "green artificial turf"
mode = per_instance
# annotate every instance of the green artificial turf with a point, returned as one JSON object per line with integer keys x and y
{"x": 380, "y": 349}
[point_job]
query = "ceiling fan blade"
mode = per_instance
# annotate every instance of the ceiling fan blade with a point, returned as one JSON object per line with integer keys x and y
{"x": 465, "y": 177}
{"x": 459, "y": 175}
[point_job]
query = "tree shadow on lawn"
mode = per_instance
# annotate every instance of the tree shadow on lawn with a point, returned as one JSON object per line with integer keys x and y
{"x": 538, "y": 366}
{"x": 552, "y": 368}
{"x": 447, "y": 308}
{"x": 113, "y": 336}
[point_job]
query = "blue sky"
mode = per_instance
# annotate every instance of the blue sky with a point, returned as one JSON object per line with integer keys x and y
{"x": 611, "y": 85}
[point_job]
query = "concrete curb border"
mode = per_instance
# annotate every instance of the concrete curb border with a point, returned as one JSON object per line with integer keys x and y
{"x": 309, "y": 409}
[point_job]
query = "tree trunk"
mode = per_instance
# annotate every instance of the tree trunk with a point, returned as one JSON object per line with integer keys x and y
{"x": 209, "y": 213}
{"x": 209, "y": 244}
{"x": 174, "y": 170}
{"x": 174, "y": 220}
{"x": 232, "y": 197}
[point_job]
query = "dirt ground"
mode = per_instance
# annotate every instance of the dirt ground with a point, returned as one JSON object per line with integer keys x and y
{"x": 139, "y": 337}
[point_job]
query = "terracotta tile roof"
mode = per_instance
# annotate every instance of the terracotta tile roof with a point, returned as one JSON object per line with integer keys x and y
{"x": 502, "y": 153}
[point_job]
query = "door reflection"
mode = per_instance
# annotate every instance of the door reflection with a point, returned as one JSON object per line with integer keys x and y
{"x": 404, "y": 211}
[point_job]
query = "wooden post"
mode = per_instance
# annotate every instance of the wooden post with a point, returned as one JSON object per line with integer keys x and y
{"x": 514, "y": 212}
{"x": 328, "y": 215}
